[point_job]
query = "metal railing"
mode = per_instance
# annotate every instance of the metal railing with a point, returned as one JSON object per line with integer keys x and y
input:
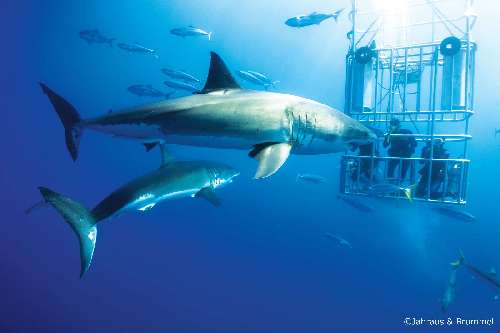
{"x": 431, "y": 180}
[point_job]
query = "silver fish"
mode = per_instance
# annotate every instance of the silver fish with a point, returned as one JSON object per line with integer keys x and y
{"x": 180, "y": 85}
{"x": 339, "y": 240}
{"x": 147, "y": 90}
{"x": 256, "y": 78}
{"x": 180, "y": 75}
{"x": 94, "y": 36}
{"x": 190, "y": 31}
{"x": 137, "y": 48}
{"x": 311, "y": 19}
{"x": 311, "y": 178}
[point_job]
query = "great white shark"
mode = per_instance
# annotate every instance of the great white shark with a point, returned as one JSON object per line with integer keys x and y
{"x": 268, "y": 125}
{"x": 173, "y": 180}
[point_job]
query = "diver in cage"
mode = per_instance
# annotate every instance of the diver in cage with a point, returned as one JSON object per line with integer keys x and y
{"x": 438, "y": 170}
{"x": 365, "y": 163}
{"x": 399, "y": 146}
{"x": 454, "y": 177}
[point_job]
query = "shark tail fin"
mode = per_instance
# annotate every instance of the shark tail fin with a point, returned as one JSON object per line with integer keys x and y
{"x": 80, "y": 220}
{"x": 457, "y": 263}
{"x": 110, "y": 41}
{"x": 69, "y": 118}
{"x": 210, "y": 36}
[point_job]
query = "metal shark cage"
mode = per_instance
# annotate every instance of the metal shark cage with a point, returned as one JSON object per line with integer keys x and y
{"x": 410, "y": 61}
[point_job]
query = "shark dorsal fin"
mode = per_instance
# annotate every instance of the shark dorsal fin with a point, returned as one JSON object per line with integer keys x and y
{"x": 219, "y": 76}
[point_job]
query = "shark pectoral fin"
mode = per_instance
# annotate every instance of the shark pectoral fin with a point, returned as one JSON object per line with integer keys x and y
{"x": 271, "y": 156}
{"x": 208, "y": 194}
{"x": 37, "y": 206}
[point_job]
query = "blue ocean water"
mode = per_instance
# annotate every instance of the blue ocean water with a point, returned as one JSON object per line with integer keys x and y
{"x": 260, "y": 263}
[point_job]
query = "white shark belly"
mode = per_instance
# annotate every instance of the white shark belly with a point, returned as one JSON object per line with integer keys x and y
{"x": 143, "y": 132}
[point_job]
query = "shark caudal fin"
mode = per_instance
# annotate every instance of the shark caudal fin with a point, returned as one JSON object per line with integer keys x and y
{"x": 457, "y": 263}
{"x": 69, "y": 118}
{"x": 210, "y": 36}
{"x": 80, "y": 220}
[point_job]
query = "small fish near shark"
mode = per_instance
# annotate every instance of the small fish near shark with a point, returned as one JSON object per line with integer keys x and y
{"x": 181, "y": 85}
{"x": 190, "y": 31}
{"x": 314, "y": 18}
{"x": 180, "y": 75}
{"x": 269, "y": 126}
{"x": 172, "y": 180}
{"x": 339, "y": 240}
{"x": 147, "y": 90}
{"x": 93, "y": 36}
{"x": 137, "y": 48}
{"x": 310, "y": 178}
{"x": 256, "y": 78}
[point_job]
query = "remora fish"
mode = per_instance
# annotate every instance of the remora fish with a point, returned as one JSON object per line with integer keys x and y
{"x": 311, "y": 19}
{"x": 387, "y": 188}
{"x": 180, "y": 85}
{"x": 190, "y": 31}
{"x": 171, "y": 181}
{"x": 268, "y": 125}
{"x": 340, "y": 241}
{"x": 488, "y": 277}
{"x": 455, "y": 213}
{"x": 450, "y": 292}
{"x": 147, "y": 90}
{"x": 256, "y": 78}
{"x": 307, "y": 177}
{"x": 180, "y": 75}
{"x": 94, "y": 36}
{"x": 137, "y": 48}
{"x": 362, "y": 207}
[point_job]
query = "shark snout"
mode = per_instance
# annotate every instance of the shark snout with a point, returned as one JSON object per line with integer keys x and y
{"x": 358, "y": 134}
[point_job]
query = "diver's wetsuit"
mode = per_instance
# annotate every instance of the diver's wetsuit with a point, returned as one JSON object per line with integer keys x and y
{"x": 403, "y": 146}
{"x": 365, "y": 164}
{"x": 437, "y": 173}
